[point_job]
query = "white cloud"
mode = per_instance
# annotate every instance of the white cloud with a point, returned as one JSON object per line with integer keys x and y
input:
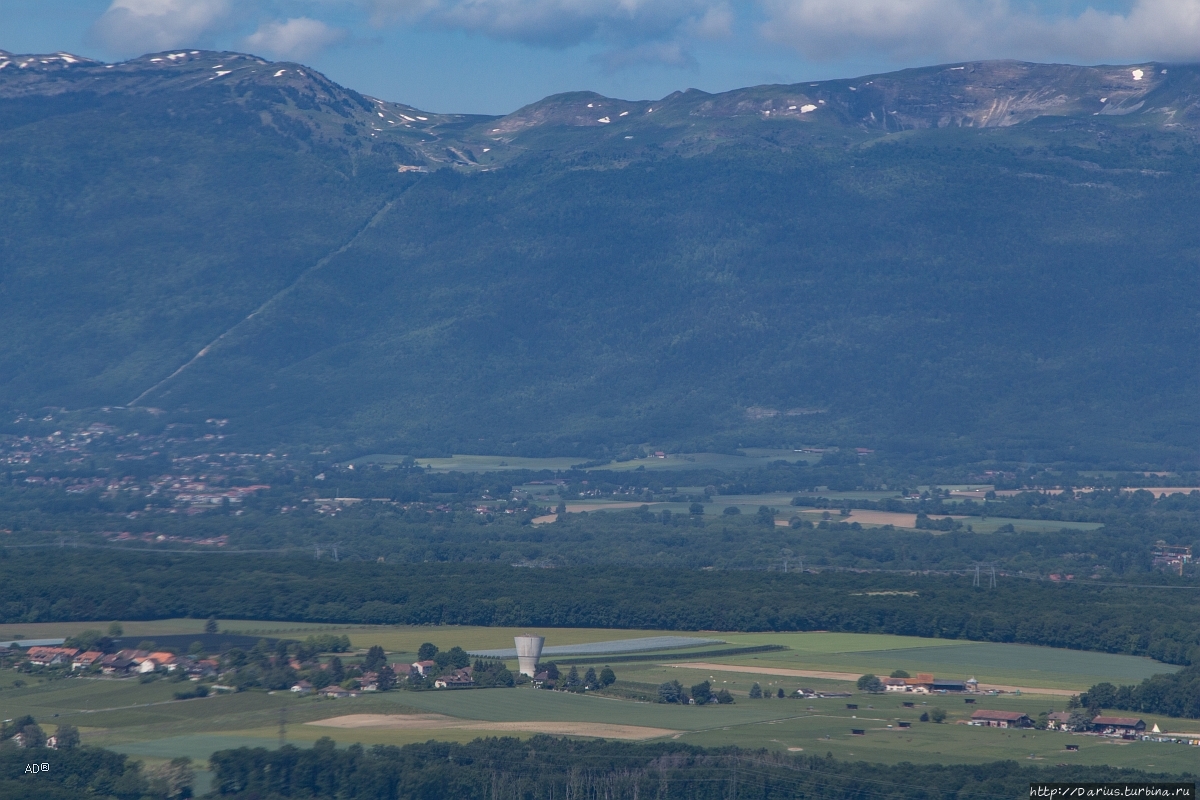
{"x": 717, "y": 23}
{"x": 671, "y": 54}
{"x": 139, "y": 26}
{"x": 967, "y": 29}
{"x": 297, "y": 38}
{"x": 556, "y": 23}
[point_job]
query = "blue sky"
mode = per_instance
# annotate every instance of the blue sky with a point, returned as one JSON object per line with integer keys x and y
{"x": 493, "y": 56}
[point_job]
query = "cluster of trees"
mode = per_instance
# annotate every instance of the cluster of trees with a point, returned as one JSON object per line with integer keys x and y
{"x": 543, "y": 767}
{"x": 701, "y": 694}
{"x": 1174, "y": 694}
{"x": 487, "y": 673}
{"x": 76, "y": 585}
{"x": 26, "y": 730}
{"x": 322, "y": 643}
{"x": 70, "y": 771}
{"x": 572, "y": 681}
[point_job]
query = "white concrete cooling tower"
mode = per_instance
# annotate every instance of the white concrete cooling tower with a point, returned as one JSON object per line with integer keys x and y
{"x": 529, "y": 650}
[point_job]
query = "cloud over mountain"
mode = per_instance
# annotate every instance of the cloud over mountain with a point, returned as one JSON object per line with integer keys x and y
{"x": 131, "y": 27}
{"x": 296, "y": 38}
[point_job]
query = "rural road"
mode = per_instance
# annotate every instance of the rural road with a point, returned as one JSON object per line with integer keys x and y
{"x": 847, "y": 676}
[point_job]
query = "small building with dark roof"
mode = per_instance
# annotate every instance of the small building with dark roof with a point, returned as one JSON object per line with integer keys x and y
{"x": 1118, "y": 726}
{"x": 1001, "y": 719}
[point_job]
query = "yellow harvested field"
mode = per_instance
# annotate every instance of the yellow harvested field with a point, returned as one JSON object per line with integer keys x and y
{"x": 409, "y": 722}
{"x": 865, "y": 517}
{"x": 840, "y": 676}
{"x": 575, "y": 508}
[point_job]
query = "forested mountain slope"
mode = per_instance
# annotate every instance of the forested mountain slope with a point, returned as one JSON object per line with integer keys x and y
{"x": 983, "y": 257}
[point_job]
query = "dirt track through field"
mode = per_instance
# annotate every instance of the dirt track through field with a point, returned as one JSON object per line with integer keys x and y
{"x": 845, "y": 676}
{"x": 417, "y": 722}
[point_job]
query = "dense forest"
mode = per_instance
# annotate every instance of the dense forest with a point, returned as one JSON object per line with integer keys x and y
{"x": 77, "y": 584}
{"x": 543, "y": 768}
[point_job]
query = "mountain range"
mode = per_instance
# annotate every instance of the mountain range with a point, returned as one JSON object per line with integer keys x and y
{"x": 980, "y": 260}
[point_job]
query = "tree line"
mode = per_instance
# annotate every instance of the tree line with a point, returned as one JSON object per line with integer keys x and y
{"x": 1175, "y": 694}
{"x": 543, "y": 767}
{"x": 69, "y": 585}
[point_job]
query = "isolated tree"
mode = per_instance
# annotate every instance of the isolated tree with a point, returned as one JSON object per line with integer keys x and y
{"x": 211, "y": 626}
{"x": 589, "y": 678}
{"x": 671, "y": 692}
{"x": 756, "y": 692}
{"x": 87, "y": 640}
{"x": 1102, "y": 695}
{"x": 115, "y": 629}
{"x": 696, "y": 508}
{"x": 427, "y": 651}
{"x": 607, "y": 676}
{"x": 870, "y": 683}
{"x": 375, "y": 659}
{"x": 937, "y": 715}
{"x": 33, "y": 736}
{"x": 66, "y": 737}
{"x": 924, "y": 716}
{"x": 723, "y": 697}
{"x": 457, "y": 657}
{"x": 1080, "y": 719}
{"x": 731, "y": 511}
{"x": 779, "y": 693}
{"x": 899, "y": 673}
{"x": 572, "y": 682}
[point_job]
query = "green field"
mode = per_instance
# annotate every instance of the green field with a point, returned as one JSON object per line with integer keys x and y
{"x": 814, "y": 725}
{"x": 1010, "y": 664}
{"x": 143, "y": 720}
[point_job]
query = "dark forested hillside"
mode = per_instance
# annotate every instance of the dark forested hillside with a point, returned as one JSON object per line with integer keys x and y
{"x": 573, "y": 278}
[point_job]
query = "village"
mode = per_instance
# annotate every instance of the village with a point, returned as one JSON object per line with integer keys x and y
{"x": 278, "y": 665}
